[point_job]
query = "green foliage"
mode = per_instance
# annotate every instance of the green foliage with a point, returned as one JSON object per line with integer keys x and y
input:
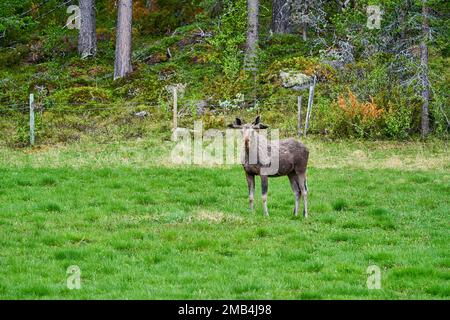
{"x": 230, "y": 36}
{"x": 440, "y": 115}
{"x": 398, "y": 120}
{"x": 58, "y": 42}
{"x": 282, "y": 46}
{"x": 201, "y": 43}
{"x": 143, "y": 87}
{"x": 168, "y": 15}
{"x": 12, "y": 24}
{"x": 79, "y": 98}
{"x": 10, "y": 58}
{"x": 308, "y": 66}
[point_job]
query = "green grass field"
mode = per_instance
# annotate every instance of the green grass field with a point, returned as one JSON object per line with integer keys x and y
{"x": 141, "y": 230}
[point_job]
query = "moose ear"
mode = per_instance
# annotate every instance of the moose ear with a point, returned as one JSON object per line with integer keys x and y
{"x": 257, "y": 120}
{"x": 236, "y": 124}
{"x": 261, "y": 126}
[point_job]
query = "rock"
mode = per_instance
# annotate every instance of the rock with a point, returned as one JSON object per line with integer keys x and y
{"x": 201, "y": 106}
{"x": 141, "y": 114}
{"x": 201, "y": 103}
{"x": 291, "y": 79}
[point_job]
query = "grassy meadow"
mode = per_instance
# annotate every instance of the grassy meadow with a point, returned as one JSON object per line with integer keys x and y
{"x": 141, "y": 229}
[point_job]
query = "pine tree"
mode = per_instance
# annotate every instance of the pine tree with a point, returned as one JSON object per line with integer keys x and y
{"x": 87, "y": 39}
{"x": 122, "y": 65}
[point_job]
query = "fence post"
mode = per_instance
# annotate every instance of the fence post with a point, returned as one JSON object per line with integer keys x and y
{"x": 299, "y": 115}
{"x": 32, "y": 119}
{"x": 175, "y": 108}
{"x": 310, "y": 103}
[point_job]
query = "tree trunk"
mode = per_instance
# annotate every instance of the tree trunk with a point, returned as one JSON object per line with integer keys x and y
{"x": 304, "y": 13}
{"x": 425, "y": 123}
{"x": 252, "y": 34}
{"x": 343, "y": 4}
{"x": 304, "y": 31}
{"x": 87, "y": 38}
{"x": 122, "y": 65}
{"x": 281, "y": 15}
{"x": 403, "y": 19}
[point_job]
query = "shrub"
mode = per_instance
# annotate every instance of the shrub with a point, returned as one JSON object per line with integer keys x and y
{"x": 230, "y": 36}
{"x": 59, "y": 42}
{"x": 363, "y": 118}
{"x": 165, "y": 16}
{"x": 79, "y": 98}
{"x": 308, "y": 66}
{"x": 397, "y": 121}
{"x": 14, "y": 56}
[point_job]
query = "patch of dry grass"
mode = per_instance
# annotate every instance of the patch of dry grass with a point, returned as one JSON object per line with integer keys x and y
{"x": 216, "y": 217}
{"x": 143, "y": 153}
{"x": 415, "y": 155}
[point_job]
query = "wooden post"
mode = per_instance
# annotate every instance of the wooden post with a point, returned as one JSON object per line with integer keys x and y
{"x": 299, "y": 119}
{"x": 310, "y": 103}
{"x": 31, "y": 119}
{"x": 175, "y": 108}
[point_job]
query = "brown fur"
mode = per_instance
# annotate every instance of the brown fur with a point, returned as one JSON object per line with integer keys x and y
{"x": 293, "y": 161}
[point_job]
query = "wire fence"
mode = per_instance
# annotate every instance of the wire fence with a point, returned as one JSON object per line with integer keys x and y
{"x": 53, "y": 119}
{"x": 62, "y": 109}
{"x": 35, "y": 8}
{"x": 54, "y": 9}
{"x": 224, "y": 105}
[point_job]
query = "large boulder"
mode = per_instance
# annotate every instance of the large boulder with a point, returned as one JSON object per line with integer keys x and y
{"x": 294, "y": 79}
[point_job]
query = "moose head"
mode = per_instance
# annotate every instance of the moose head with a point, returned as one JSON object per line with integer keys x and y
{"x": 248, "y": 129}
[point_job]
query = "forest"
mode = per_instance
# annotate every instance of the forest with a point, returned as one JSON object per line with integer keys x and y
{"x": 382, "y": 74}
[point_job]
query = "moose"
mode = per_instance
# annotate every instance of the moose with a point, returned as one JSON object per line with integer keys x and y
{"x": 292, "y": 158}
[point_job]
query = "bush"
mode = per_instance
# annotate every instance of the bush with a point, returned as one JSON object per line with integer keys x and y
{"x": 166, "y": 16}
{"x": 59, "y": 42}
{"x": 397, "y": 121}
{"x": 308, "y": 66}
{"x": 78, "y": 98}
{"x": 14, "y": 56}
{"x": 230, "y": 36}
{"x": 360, "y": 118}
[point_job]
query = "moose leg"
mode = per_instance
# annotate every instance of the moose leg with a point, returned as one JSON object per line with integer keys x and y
{"x": 296, "y": 189}
{"x": 304, "y": 191}
{"x": 251, "y": 189}
{"x": 264, "y": 188}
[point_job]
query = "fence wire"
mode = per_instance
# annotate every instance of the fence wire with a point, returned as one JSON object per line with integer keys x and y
{"x": 121, "y": 121}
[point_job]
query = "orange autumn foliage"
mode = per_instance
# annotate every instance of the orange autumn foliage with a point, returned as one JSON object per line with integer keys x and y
{"x": 140, "y": 11}
{"x": 365, "y": 111}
